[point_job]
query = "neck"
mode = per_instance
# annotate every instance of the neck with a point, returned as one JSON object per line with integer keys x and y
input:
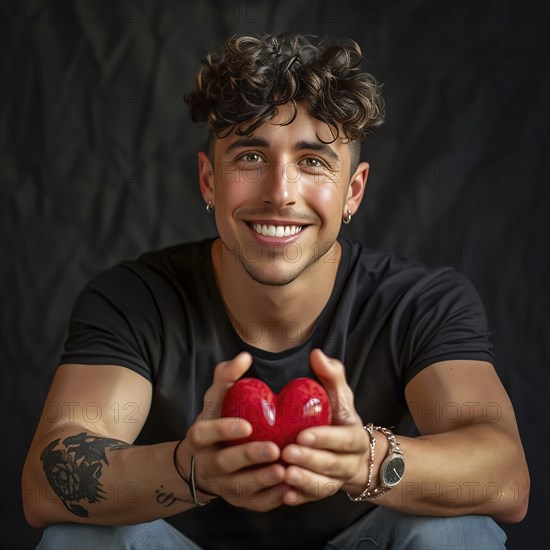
{"x": 270, "y": 317}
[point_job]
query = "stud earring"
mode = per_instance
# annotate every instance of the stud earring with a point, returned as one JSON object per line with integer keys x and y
{"x": 210, "y": 207}
{"x": 347, "y": 219}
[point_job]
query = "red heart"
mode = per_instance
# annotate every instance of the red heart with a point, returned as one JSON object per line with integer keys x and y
{"x": 302, "y": 403}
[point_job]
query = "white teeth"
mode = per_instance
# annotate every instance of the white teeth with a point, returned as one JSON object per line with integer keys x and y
{"x": 276, "y": 231}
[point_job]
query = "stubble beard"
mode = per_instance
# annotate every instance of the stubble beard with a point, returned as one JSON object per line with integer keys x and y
{"x": 262, "y": 276}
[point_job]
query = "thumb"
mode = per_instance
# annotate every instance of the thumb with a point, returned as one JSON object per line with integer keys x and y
{"x": 332, "y": 374}
{"x": 225, "y": 375}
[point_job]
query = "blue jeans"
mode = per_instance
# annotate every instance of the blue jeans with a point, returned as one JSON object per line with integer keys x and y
{"x": 379, "y": 529}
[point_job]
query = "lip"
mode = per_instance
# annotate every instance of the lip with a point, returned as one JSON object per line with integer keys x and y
{"x": 275, "y": 241}
{"x": 272, "y": 221}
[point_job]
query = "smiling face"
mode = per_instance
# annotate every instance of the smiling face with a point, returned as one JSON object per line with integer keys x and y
{"x": 280, "y": 195}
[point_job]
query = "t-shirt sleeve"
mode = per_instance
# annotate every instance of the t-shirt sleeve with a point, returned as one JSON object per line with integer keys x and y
{"x": 443, "y": 320}
{"x": 115, "y": 321}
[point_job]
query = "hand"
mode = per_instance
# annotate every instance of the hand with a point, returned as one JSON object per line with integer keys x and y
{"x": 326, "y": 458}
{"x": 243, "y": 475}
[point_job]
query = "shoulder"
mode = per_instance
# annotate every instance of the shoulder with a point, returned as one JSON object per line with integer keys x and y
{"x": 155, "y": 276}
{"x": 379, "y": 266}
{"x": 171, "y": 259}
{"x": 381, "y": 273}
{"x": 155, "y": 267}
{"x": 176, "y": 253}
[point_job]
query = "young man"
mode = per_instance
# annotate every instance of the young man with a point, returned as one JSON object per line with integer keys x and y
{"x": 155, "y": 344}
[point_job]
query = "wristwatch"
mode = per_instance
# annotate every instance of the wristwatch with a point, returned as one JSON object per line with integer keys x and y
{"x": 391, "y": 470}
{"x": 393, "y": 467}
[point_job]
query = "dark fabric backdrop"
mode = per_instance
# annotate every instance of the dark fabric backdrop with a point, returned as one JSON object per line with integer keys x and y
{"x": 99, "y": 164}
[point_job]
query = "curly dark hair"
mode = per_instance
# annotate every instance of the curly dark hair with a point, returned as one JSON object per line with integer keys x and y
{"x": 240, "y": 87}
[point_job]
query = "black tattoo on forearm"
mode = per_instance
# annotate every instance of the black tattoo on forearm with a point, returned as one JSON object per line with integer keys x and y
{"x": 167, "y": 499}
{"x": 74, "y": 471}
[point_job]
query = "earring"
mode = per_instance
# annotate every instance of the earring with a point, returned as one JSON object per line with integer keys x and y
{"x": 347, "y": 219}
{"x": 210, "y": 207}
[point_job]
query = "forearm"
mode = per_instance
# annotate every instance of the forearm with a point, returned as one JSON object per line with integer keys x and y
{"x": 478, "y": 469}
{"x": 95, "y": 479}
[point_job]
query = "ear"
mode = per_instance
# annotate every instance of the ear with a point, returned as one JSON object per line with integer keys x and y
{"x": 206, "y": 177}
{"x": 356, "y": 188}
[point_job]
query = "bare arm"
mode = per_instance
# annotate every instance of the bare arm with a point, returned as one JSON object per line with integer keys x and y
{"x": 82, "y": 466}
{"x": 468, "y": 459}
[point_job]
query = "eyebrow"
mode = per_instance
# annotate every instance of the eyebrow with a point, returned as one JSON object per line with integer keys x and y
{"x": 251, "y": 141}
{"x": 247, "y": 142}
{"x": 316, "y": 146}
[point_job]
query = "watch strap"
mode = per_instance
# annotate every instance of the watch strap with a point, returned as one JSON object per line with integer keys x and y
{"x": 393, "y": 449}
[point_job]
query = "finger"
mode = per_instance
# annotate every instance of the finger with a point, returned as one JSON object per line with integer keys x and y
{"x": 341, "y": 439}
{"x": 259, "y": 489}
{"x": 259, "y": 479}
{"x": 228, "y": 486}
{"x": 327, "y": 463}
{"x": 264, "y": 500}
{"x": 306, "y": 486}
{"x": 208, "y": 433}
{"x": 332, "y": 374}
{"x": 246, "y": 455}
{"x": 225, "y": 375}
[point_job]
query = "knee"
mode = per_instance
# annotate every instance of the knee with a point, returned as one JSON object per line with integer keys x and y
{"x": 72, "y": 536}
{"x": 439, "y": 533}
{"x": 157, "y": 535}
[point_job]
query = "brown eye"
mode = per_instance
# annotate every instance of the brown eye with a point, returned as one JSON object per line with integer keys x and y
{"x": 313, "y": 162}
{"x": 251, "y": 157}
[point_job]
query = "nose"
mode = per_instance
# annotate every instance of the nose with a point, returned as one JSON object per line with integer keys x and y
{"x": 281, "y": 187}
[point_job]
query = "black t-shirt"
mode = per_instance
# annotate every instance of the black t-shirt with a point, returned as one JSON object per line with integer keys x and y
{"x": 163, "y": 317}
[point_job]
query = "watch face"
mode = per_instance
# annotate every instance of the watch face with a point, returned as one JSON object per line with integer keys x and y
{"x": 393, "y": 471}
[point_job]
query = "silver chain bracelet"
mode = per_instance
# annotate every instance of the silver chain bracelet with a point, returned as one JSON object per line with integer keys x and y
{"x": 366, "y": 493}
